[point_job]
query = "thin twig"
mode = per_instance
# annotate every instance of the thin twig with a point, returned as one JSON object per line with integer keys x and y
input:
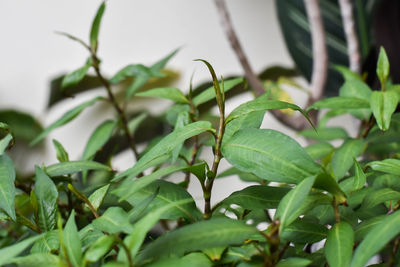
{"x": 353, "y": 48}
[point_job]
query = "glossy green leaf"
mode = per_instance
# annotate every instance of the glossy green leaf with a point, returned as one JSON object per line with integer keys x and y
{"x": 270, "y": 155}
{"x": 94, "y": 31}
{"x": 376, "y": 197}
{"x": 47, "y": 195}
{"x": 5, "y": 142}
{"x": 98, "y": 139}
{"x": 23, "y": 126}
{"x": 40, "y": 260}
{"x": 383, "y": 104}
{"x": 342, "y": 159}
{"x": 169, "y": 193}
{"x": 72, "y": 242}
{"x": 319, "y": 150}
{"x": 7, "y": 187}
{"x": 114, "y": 220}
{"x": 325, "y": 134}
{"x": 199, "y": 170}
{"x": 209, "y": 93}
{"x": 67, "y": 117}
{"x": 48, "y": 243}
{"x": 340, "y": 102}
{"x": 164, "y": 148}
{"x": 326, "y": 182}
{"x": 61, "y": 153}
{"x": 391, "y": 166}
{"x": 97, "y": 197}
{"x": 8, "y": 254}
{"x": 292, "y": 201}
{"x": 99, "y": 248}
{"x": 70, "y": 167}
{"x": 173, "y": 94}
{"x": 383, "y": 67}
{"x": 293, "y": 262}
{"x": 302, "y": 232}
{"x": 339, "y": 245}
{"x": 197, "y": 236}
{"x": 257, "y": 197}
{"x": 359, "y": 178}
{"x": 129, "y": 187}
{"x": 376, "y": 239}
{"x": 73, "y": 78}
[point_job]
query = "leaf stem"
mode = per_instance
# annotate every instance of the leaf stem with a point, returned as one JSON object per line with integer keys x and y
{"x": 336, "y": 210}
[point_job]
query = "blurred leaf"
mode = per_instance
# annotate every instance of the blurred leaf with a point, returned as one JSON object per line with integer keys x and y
{"x": 301, "y": 232}
{"x": 342, "y": 159}
{"x": 8, "y": 254}
{"x": 67, "y": 117}
{"x": 340, "y": 102}
{"x": 209, "y": 93}
{"x": 98, "y": 138}
{"x": 364, "y": 227}
{"x": 292, "y": 201}
{"x": 376, "y": 239}
{"x": 72, "y": 242}
{"x": 134, "y": 70}
{"x": 134, "y": 123}
{"x": 48, "y": 243}
{"x": 99, "y": 248}
{"x": 319, "y": 150}
{"x": 70, "y": 167}
{"x": 293, "y": 262}
{"x": 114, "y": 220}
{"x": 383, "y": 104}
{"x": 159, "y": 65}
{"x": 173, "y": 94}
{"x": 376, "y": 197}
{"x": 326, "y": 182}
{"x": 391, "y": 166}
{"x": 94, "y": 31}
{"x": 62, "y": 154}
{"x": 73, "y": 78}
{"x": 325, "y": 134}
{"x": 22, "y": 125}
{"x": 47, "y": 195}
{"x": 339, "y": 245}
{"x": 40, "y": 260}
{"x": 244, "y": 176}
{"x": 197, "y": 236}
{"x": 5, "y": 142}
{"x": 273, "y": 73}
{"x": 7, "y": 187}
{"x": 270, "y": 155}
{"x": 360, "y": 177}
{"x": 97, "y": 197}
{"x": 382, "y": 68}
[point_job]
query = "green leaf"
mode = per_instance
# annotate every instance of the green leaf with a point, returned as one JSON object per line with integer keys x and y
{"x": 270, "y": 155}
{"x": 62, "y": 154}
{"x": 391, "y": 166}
{"x": 70, "y": 167}
{"x": 340, "y": 102}
{"x": 195, "y": 259}
{"x": 47, "y": 195}
{"x": 114, "y": 220}
{"x": 39, "y": 260}
{"x": 173, "y": 94}
{"x": 302, "y": 232}
{"x": 97, "y": 197}
{"x": 209, "y": 93}
{"x": 99, "y": 248}
{"x": 67, "y": 117}
{"x": 383, "y": 104}
{"x": 355, "y": 87}
{"x": 159, "y": 65}
{"x": 292, "y": 201}
{"x": 135, "y": 122}
{"x": 325, "y": 134}
{"x": 72, "y": 242}
{"x": 94, "y": 31}
{"x": 293, "y": 262}
{"x": 129, "y": 187}
{"x": 98, "y": 139}
{"x": 199, "y": 170}
{"x": 197, "y": 236}
{"x": 339, "y": 245}
{"x": 260, "y": 104}
{"x": 48, "y": 243}
{"x": 342, "y": 159}
{"x": 244, "y": 176}
{"x": 7, "y": 187}
{"x": 8, "y": 254}
{"x": 363, "y": 228}
{"x": 23, "y": 126}
{"x": 73, "y": 78}
{"x": 360, "y": 178}
{"x": 161, "y": 152}
{"x": 376, "y": 239}
{"x": 378, "y": 196}
{"x": 5, "y": 142}
{"x": 319, "y": 150}
{"x": 326, "y": 182}
{"x": 257, "y": 197}
{"x": 169, "y": 193}
{"x": 383, "y": 67}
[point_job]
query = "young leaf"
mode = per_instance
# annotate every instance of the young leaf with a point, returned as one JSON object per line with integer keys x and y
{"x": 383, "y": 67}
{"x": 70, "y": 167}
{"x": 360, "y": 178}
{"x": 342, "y": 159}
{"x": 159, "y": 65}
{"x": 197, "y": 236}
{"x": 340, "y": 102}
{"x": 114, "y": 220}
{"x": 391, "y": 166}
{"x": 46, "y": 195}
{"x": 8, "y": 254}
{"x": 163, "y": 149}
{"x": 97, "y": 197}
{"x": 5, "y": 142}
{"x": 383, "y": 104}
{"x": 7, "y": 187}
{"x": 270, "y": 155}
{"x": 173, "y": 94}
{"x": 292, "y": 201}
{"x": 72, "y": 242}
{"x": 94, "y": 32}
{"x": 76, "y": 76}
{"x": 376, "y": 239}
{"x": 39, "y": 260}
{"x": 62, "y": 154}
{"x": 67, "y": 117}
{"x": 339, "y": 245}
{"x": 326, "y": 182}
{"x": 98, "y": 138}
{"x": 133, "y": 70}
{"x": 99, "y": 248}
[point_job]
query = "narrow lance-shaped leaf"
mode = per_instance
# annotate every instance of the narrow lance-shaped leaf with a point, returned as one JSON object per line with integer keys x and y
{"x": 173, "y": 94}
{"x": 7, "y": 187}
{"x": 376, "y": 239}
{"x": 98, "y": 138}
{"x": 5, "y": 142}
{"x": 99, "y": 248}
{"x": 383, "y": 104}
{"x": 360, "y": 178}
{"x": 61, "y": 153}
{"x": 159, "y": 65}
{"x": 67, "y": 117}
{"x": 114, "y": 220}
{"x": 391, "y": 166}
{"x": 46, "y": 194}
{"x": 94, "y": 32}
{"x": 292, "y": 201}
{"x": 383, "y": 67}
{"x": 340, "y": 102}
{"x": 73, "y": 78}
{"x": 339, "y": 245}
{"x": 293, "y": 262}
{"x": 342, "y": 160}
{"x": 39, "y": 260}
{"x": 97, "y": 197}
{"x": 70, "y": 167}
{"x": 72, "y": 242}
{"x": 7, "y": 254}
